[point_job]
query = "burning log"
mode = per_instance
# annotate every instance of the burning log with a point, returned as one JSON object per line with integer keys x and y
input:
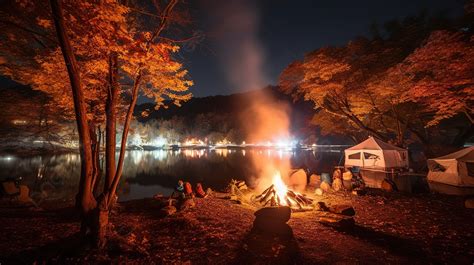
{"x": 264, "y": 196}
{"x": 294, "y": 200}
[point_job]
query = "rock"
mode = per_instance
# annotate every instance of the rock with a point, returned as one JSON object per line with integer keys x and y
{"x": 272, "y": 221}
{"x": 322, "y": 206}
{"x": 342, "y": 209}
{"x": 298, "y": 180}
{"x": 279, "y": 214}
{"x": 314, "y": 180}
{"x": 325, "y": 186}
{"x": 337, "y": 184}
{"x": 469, "y": 203}
{"x": 318, "y": 192}
{"x": 386, "y": 186}
{"x": 167, "y": 210}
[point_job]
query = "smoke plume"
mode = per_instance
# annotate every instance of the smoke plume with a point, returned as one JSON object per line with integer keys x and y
{"x": 241, "y": 54}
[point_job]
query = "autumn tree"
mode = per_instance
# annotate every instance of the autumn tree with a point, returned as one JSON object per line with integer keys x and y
{"x": 95, "y": 62}
{"x": 356, "y": 84}
{"x": 439, "y": 76}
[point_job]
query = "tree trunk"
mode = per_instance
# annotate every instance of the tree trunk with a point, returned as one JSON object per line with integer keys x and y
{"x": 399, "y": 127}
{"x": 97, "y": 170}
{"x": 111, "y": 121}
{"x": 85, "y": 199}
{"x": 362, "y": 126}
{"x": 123, "y": 144}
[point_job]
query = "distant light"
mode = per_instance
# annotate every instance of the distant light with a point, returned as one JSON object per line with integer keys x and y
{"x": 19, "y": 122}
{"x": 7, "y": 158}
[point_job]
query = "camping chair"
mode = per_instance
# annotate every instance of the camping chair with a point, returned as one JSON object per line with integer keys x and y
{"x": 9, "y": 189}
{"x": 18, "y": 193}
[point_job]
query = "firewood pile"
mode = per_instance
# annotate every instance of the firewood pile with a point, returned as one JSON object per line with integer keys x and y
{"x": 295, "y": 201}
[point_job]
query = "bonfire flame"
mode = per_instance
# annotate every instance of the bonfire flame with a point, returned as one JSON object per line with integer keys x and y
{"x": 280, "y": 188}
{"x": 278, "y": 194}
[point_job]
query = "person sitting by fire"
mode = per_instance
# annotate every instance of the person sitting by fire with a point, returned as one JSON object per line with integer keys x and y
{"x": 178, "y": 191}
{"x": 188, "y": 190}
{"x": 200, "y": 191}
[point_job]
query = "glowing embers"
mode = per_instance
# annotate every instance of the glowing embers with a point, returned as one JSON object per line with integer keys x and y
{"x": 279, "y": 195}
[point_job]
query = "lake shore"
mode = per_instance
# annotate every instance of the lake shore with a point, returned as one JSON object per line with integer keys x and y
{"x": 391, "y": 228}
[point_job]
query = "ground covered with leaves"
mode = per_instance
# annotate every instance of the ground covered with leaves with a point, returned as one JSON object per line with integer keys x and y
{"x": 390, "y": 228}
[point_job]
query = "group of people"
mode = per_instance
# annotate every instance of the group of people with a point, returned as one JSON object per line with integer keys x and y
{"x": 184, "y": 190}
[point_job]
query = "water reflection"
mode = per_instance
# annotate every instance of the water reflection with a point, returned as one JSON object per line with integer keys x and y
{"x": 148, "y": 172}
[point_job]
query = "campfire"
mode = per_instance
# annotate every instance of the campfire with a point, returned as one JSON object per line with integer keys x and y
{"x": 278, "y": 194}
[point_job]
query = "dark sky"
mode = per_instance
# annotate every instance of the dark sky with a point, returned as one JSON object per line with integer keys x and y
{"x": 289, "y": 28}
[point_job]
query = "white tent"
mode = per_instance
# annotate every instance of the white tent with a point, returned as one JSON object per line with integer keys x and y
{"x": 376, "y": 154}
{"x": 456, "y": 169}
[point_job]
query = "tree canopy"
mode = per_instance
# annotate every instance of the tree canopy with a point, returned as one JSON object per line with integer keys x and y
{"x": 393, "y": 87}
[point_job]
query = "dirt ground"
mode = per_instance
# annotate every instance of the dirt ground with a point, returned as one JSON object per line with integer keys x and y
{"x": 391, "y": 228}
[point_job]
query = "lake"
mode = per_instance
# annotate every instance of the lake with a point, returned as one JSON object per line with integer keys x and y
{"x": 149, "y": 172}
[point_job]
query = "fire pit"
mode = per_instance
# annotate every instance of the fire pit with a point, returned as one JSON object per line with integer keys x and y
{"x": 279, "y": 195}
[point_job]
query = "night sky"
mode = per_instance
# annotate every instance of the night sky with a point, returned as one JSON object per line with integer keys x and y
{"x": 288, "y": 29}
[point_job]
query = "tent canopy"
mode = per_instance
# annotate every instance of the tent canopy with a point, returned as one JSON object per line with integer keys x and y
{"x": 375, "y": 144}
{"x": 466, "y": 154}
{"x": 455, "y": 169}
{"x": 374, "y": 153}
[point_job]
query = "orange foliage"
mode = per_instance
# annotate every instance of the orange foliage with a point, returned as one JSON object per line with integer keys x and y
{"x": 96, "y": 31}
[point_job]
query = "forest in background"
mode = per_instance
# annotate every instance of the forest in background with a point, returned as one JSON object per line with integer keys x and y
{"x": 410, "y": 83}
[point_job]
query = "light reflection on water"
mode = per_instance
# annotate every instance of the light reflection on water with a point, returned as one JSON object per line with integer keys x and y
{"x": 149, "y": 172}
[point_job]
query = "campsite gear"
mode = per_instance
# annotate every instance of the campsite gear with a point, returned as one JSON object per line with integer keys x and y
{"x": 12, "y": 190}
{"x": 9, "y": 188}
{"x": 314, "y": 180}
{"x": 325, "y": 177}
{"x": 298, "y": 180}
{"x": 452, "y": 173}
{"x": 337, "y": 173}
{"x": 376, "y": 154}
{"x": 200, "y": 191}
{"x": 347, "y": 184}
{"x": 325, "y": 186}
{"x": 318, "y": 192}
{"x": 377, "y": 161}
{"x": 347, "y": 180}
{"x": 347, "y": 175}
{"x": 337, "y": 184}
